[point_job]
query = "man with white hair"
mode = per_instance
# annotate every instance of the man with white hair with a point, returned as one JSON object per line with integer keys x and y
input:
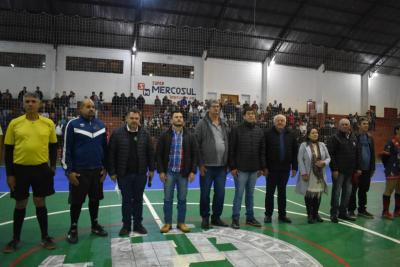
{"x": 281, "y": 158}
{"x": 343, "y": 150}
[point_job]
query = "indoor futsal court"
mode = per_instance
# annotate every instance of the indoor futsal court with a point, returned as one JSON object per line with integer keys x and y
{"x": 235, "y": 87}
{"x": 325, "y": 244}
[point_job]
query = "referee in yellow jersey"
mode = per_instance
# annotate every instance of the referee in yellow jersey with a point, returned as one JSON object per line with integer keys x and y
{"x": 30, "y": 142}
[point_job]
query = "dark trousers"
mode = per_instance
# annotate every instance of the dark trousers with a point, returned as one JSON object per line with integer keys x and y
{"x": 362, "y": 187}
{"x": 312, "y": 205}
{"x": 341, "y": 191}
{"x": 216, "y": 175}
{"x": 132, "y": 188}
{"x": 276, "y": 179}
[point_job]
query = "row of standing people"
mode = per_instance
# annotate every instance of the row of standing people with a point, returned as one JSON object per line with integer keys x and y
{"x": 129, "y": 159}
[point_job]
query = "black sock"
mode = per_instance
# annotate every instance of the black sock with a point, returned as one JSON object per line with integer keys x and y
{"x": 19, "y": 216}
{"x": 41, "y": 215}
{"x": 94, "y": 211}
{"x": 75, "y": 211}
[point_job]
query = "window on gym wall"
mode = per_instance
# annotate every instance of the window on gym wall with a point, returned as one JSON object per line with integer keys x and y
{"x": 167, "y": 70}
{"x": 94, "y": 65}
{"x": 22, "y": 60}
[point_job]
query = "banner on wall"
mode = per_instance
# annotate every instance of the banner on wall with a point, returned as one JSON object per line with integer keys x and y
{"x": 162, "y": 88}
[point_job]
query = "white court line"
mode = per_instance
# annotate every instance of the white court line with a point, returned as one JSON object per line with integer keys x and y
{"x": 349, "y": 224}
{"x": 152, "y": 211}
{"x": 158, "y": 220}
{"x": 3, "y": 195}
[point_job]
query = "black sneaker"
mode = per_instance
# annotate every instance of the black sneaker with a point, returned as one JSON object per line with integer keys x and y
{"x": 48, "y": 243}
{"x": 267, "y": 219}
{"x": 253, "y": 222}
{"x": 235, "y": 224}
{"x": 205, "y": 223}
{"x": 72, "y": 236}
{"x": 285, "y": 220}
{"x": 11, "y": 246}
{"x": 139, "y": 228}
{"x": 365, "y": 214}
{"x": 334, "y": 219}
{"x": 124, "y": 232}
{"x": 310, "y": 219}
{"x": 346, "y": 217}
{"x": 99, "y": 230}
{"x": 219, "y": 222}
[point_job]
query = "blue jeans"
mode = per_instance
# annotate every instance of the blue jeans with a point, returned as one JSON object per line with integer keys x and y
{"x": 244, "y": 181}
{"x": 175, "y": 178}
{"x": 132, "y": 188}
{"x": 341, "y": 189}
{"x": 217, "y": 176}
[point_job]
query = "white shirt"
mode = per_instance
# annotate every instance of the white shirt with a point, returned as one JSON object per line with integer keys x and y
{"x": 1, "y": 131}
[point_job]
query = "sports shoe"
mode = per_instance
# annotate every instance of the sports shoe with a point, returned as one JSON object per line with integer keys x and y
{"x": 48, "y": 243}
{"x": 253, "y": 222}
{"x": 365, "y": 214}
{"x": 99, "y": 230}
{"x": 166, "y": 228}
{"x": 351, "y": 213}
{"x": 72, "y": 236}
{"x": 11, "y": 246}
{"x": 387, "y": 215}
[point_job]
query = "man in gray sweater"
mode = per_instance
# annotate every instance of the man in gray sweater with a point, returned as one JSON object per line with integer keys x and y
{"x": 212, "y": 136}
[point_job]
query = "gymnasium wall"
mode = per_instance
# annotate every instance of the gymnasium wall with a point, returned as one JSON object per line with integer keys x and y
{"x": 292, "y": 86}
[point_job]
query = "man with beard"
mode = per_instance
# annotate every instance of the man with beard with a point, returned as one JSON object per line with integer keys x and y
{"x": 84, "y": 153}
{"x": 130, "y": 157}
{"x": 176, "y": 164}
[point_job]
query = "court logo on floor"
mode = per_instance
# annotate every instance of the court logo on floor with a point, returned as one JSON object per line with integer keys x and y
{"x": 219, "y": 246}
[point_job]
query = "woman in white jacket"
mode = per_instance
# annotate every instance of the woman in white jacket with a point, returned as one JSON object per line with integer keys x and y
{"x": 313, "y": 157}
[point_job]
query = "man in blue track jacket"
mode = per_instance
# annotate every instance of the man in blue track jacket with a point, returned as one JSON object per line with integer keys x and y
{"x": 84, "y": 154}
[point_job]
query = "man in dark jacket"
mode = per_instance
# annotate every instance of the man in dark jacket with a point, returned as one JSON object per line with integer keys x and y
{"x": 281, "y": 157}
{"x": 366, "y": 169}
{"x": 246, "y": 160}
{"x": 176, "y": 163}
{"x": 212, "y": 137}
{"x": 343, "y": 150}
{"x": 130, "y": 157}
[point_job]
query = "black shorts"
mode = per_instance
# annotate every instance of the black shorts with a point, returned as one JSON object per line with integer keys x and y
{"x": 89, "y": 184}
{"x": 40, "y": 177}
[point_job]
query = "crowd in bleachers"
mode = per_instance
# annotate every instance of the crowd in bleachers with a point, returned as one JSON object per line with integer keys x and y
{"x": 156, "y": 117}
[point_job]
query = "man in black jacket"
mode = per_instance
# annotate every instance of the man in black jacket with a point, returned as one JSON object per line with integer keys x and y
{"x": 246, "y": 161}
{"x": 281, "y": 158}
{"x": 366, "y": 169}
{"x": 176, "y": 163}
{"x": 343, "y": 150}
{"x": 130, "y": 157}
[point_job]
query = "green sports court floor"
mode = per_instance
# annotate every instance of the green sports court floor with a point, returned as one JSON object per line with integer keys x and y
{"x": 366, "y": 242}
